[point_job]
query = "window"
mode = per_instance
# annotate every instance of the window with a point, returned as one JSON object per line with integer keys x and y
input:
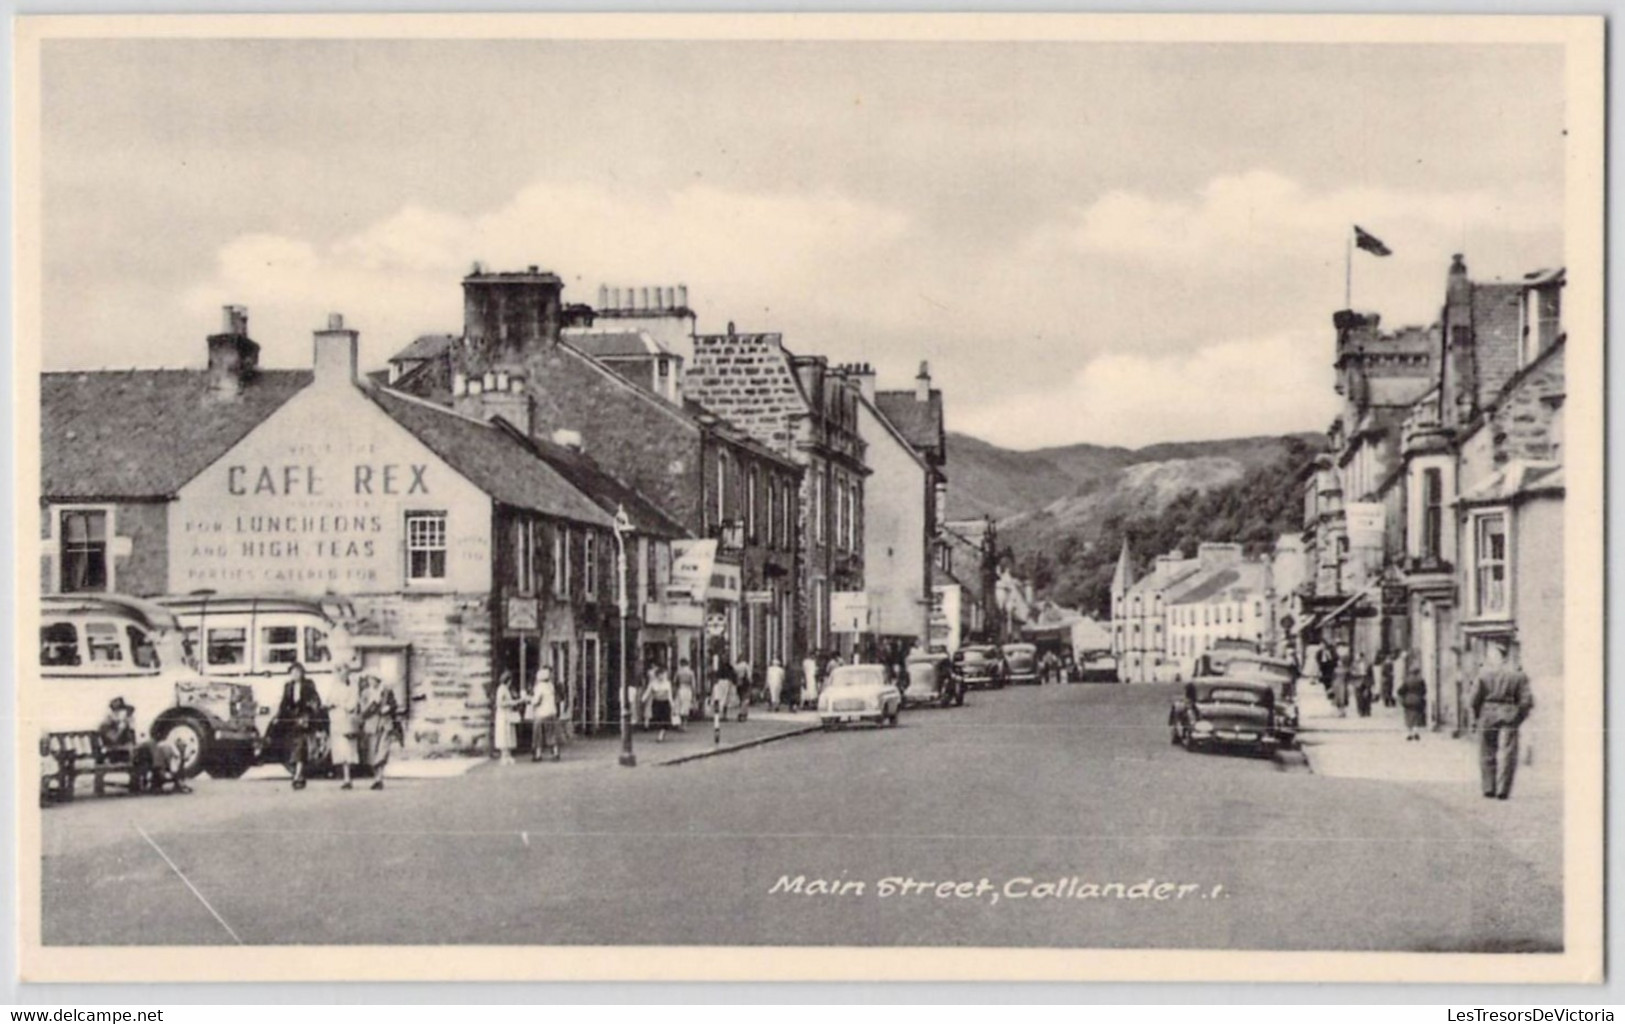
{"x": 316, "y": 651}
{"x": 752, "y": 525}
{"x": 84, "y": 552}
{"x": 818, "y": 507}
{"x": 425, "y": 546}
{"x": 589, "y": 557}
{"x": 1432, "y": 513}
{"x": 59, "y": 645}
{"x": 722, "y": 487}
{"x": 1490, "y": 565}
{"x": 101, "y": 640}
{"x": 524, "y": 557}
{"x": 790, "y": 512}
{"x": 772, "y": 513}
{"x": 227, "y": 646}
{"x": 279, "y": 645}
{"x": 561, "y": 561}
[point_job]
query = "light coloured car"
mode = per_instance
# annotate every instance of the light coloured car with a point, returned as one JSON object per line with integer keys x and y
{"x": 859, "y": 693}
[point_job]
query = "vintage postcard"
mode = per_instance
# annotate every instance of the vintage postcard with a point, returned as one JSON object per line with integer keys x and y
{"x": 810, "y": 497}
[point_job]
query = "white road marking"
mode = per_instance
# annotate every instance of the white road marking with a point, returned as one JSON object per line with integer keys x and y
{"x": 188, "y": 882}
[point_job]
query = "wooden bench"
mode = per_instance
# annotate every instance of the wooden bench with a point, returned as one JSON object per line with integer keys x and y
{"x": 81, "y": 753}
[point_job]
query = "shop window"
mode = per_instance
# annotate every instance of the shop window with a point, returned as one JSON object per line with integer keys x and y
{"x": 227, "y": 646}
{"x": 83, "y": 554}
{"x": 1490, "y": 565}
{"x": 426, "y": 546}
{"x": 279, "y": 645}
{"x": 59, "y": 645}
{"x": 102, "y": 643}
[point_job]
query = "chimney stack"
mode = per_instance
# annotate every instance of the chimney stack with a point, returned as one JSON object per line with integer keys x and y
{"x": 335, "y": 353}
{"x": 498, "y": 393}
{"x": 233, "y": 358}
{"x": 922, "y": 383}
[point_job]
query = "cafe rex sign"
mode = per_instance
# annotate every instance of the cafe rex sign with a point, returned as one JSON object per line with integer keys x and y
{"x": 317, "y": 499}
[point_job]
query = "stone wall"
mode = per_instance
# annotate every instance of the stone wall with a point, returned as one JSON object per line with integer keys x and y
{"x": 748, "y": 380}
{"x": 143, "y": 526}
{"x": 450, "y": 666}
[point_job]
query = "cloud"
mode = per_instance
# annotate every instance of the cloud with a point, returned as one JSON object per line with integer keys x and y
{"x": 1273, "y": 385}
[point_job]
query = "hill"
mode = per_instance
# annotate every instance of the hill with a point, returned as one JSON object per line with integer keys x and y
{"x": 1063, "y": 512}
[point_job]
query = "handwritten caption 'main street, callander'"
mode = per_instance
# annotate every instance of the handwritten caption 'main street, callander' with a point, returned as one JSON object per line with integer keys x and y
{"x": 1070, "y": 887}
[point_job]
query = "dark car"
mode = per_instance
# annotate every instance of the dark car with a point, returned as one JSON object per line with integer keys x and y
{"x": 1021, "y": 663}
{"x": 1227, "y": 713}
{"x": 979, "y": 667}
{"x": 928, "y": 679}
{"x": 1280, "y": 675}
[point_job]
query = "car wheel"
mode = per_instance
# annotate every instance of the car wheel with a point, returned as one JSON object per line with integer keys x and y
{"x": 1173, "y": 735}
{"x": 1188, "y": 742}
{"x": 192, "y": 737}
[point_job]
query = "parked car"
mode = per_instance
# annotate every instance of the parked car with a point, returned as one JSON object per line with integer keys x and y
{"x": 859, "y": 693}
{"x": 1097, "y": 668}
{"x": 1226, "y": 713}
{"x": 931, "y": 680}
{"x": 1225, "y": 648}
{"x": 1279, "y": 675}
{"x": 1022, "y": 663}
{"x": 95, "y": 647}
{"x": 979, "y": 667}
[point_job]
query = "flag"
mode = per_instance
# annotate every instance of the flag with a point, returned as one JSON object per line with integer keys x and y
{"x": 1370, "y": 243}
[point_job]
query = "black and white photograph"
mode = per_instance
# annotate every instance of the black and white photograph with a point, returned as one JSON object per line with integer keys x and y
{"x": 821, "y": 497}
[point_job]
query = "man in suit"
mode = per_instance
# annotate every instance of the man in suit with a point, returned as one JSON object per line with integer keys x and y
{"x": 301, "y": 704}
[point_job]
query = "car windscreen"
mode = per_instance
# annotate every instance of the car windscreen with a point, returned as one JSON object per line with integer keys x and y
{"x": 965, "y": 656}
{"x": 858, "y": 675}
{"x": 1227, "y": 695}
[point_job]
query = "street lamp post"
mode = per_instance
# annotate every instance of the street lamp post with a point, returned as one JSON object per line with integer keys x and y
{"x": 623, "y": 526}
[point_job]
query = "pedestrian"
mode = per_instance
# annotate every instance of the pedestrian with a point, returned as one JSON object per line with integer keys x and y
{"x": 685, "y": 694}
{"x": 1385, "y": 670}
{"x": 775, "y": 683}
{"x": 1501, "y": 703}
{"x": 544, "y": 714}
{"x": 809, "y": 679}
{"x": 344, "y": 723}
{"x": 1364, "y": 686}
{"x": 504, "y": 702}
{"x": 1326, "y": 665}
{"x": 722, "y": 694}
{"x": 659, "y": 704}
{"x": 744, "y": 684}
{"x": 1340, "y": 684}
{"x": 118, "y": 731}
{"x": 1413, "y": 698}
{"x": 381, "y": 728}
{"x": 300, "y": 708}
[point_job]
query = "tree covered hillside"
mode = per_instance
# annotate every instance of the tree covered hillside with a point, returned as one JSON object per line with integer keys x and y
{"x": 1071, "y": 558}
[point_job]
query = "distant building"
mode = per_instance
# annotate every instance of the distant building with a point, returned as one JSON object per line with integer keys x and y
{"x": 1229, "y": 600}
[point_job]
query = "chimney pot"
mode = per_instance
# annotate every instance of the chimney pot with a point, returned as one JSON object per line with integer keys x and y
{"x": 603, "y": 296}
{"x": 459, "y": 384}
{"x": 568, "y": 439}
{"x": 730, "y": 328}
{"x": 682, "y": 295}
{"x": 534, "y": 269}
{"x": 335, "y": 321}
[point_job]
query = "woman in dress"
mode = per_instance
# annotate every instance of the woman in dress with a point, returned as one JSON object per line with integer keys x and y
{"x": 503, "y": 703}
{"x": 544, "y": 713}
{"x": 380, "y": 728}
{"x": 1413, "y": 697}
{"x": 344, "y": 723}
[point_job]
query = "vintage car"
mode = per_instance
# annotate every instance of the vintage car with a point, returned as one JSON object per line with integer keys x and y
{"x": 95, "y": 647}
{"x": 1280, "y": 676}
{"x": 1227, "y": 713}
{"x": 1021, "y": 662}
{"x": 1097, "y": 668}
{"x": 859, "y": 693}
{"x": 1225, "y": 648}
{"x": 979, "y": 667}
{"x": 930, "y": 680}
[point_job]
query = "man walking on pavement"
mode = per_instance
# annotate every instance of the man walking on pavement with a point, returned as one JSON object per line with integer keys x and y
{"x": 1501, "y": 702}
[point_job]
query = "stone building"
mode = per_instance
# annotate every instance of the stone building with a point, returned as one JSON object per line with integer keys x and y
{"x": 707, "y": 475}
{"x": 1230, "y": 599}
{"x": 444, "y": 531}
{"x": 801, "y": 410}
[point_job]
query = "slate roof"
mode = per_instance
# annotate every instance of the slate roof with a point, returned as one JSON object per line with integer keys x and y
{"x": 615, "y": 344}
{"x": 609, "y": 493}
{"x": 1219, "y": 584}
{"x": 144, "y": 433}
{"x": 919, "y": 422}
{"x": 494, "y": 460}
{"x": 425, "y": 346}
{"x": 1519, "y": 478}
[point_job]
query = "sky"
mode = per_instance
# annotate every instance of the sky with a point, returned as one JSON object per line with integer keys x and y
{"x": 1090, "y": 242}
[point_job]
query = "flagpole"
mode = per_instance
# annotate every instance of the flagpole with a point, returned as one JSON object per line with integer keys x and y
{"x": 1348, "y": 270}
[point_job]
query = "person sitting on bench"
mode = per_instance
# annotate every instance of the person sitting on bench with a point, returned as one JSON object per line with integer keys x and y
{"x": 117, "y": 731}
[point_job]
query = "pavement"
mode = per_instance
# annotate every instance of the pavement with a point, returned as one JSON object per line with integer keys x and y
{"x": 1042, "y": 817}
{"x": 1441, "y": 768}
